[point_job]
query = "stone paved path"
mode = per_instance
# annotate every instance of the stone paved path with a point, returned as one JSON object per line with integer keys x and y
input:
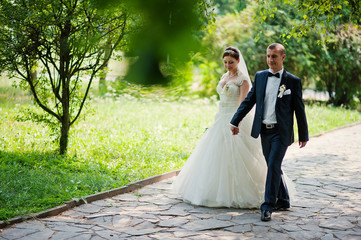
{"x": 327, "y": 206}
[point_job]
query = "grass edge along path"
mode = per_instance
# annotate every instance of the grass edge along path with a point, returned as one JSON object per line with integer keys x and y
{"x": 91, "y": 198}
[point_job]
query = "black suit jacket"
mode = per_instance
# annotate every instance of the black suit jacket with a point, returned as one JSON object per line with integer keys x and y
{"x": 286, "y": 107}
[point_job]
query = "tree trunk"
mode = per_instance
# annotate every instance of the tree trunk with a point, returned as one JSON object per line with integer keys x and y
{"x": 33, "y": 73}
{"x": 65, "y": 126}
{"x": 65, "y": 120}
{"x": 103, "y": 71}
{"x": 65, "y": 80}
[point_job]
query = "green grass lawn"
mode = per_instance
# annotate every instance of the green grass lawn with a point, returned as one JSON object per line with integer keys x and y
{"x": 119, "y": 140}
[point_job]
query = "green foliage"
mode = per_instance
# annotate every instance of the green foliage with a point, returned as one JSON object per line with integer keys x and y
{"x": 229, "y": 6}
{"x": 338, "y": 65}
{"x": 182, "y": 78}
{"x": 320, "y": 15}
{"x": 210, "y": 73}
{"x": 168, "y": 31}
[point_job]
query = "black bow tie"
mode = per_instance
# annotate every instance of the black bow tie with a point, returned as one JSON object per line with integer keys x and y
{"x": 277, "y": 75}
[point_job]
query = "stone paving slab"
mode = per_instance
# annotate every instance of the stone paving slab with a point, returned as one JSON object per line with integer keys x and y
{"x": 326, "y": 206}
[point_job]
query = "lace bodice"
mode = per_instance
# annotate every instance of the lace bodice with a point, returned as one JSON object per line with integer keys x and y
{"x": 229, "y": 93}
{"x": 228, "y": 89}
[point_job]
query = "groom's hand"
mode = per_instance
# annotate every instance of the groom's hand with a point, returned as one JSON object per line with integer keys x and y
{"x": 302, "y": 144}
{"x": 234, "y": 130}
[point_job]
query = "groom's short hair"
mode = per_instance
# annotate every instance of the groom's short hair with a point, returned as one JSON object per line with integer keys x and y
{"x": 277, "y": 46}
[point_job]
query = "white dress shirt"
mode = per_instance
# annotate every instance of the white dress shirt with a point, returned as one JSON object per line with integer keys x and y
{"x": 269, "y": 112}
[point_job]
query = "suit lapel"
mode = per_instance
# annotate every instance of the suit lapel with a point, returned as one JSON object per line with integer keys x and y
{"x": 283, "y": 82}
{"x": 284, "y": 78}
{"x": 264, "y": 84}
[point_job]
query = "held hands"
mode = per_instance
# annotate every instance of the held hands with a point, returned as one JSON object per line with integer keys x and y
{"x": 234, "y": 130}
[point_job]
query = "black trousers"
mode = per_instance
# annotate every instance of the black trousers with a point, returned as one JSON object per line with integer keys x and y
{"x": 276, "y": 192}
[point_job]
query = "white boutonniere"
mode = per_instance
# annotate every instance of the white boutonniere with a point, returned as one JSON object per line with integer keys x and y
{"x": 282, "y": 90}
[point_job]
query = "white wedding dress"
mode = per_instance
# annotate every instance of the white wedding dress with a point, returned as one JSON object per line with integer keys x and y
{"x": 225, "y": 170}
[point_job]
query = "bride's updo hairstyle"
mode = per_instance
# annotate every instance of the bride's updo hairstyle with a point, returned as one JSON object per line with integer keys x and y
{"x": 232, "y": 52}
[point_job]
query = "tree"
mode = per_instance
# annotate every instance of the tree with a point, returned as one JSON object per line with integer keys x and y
{"x": 65, "y": 41}
{"x": 327, "y": 12}
{"x": 338, "y": 64}
{"x": 320, "y": 15}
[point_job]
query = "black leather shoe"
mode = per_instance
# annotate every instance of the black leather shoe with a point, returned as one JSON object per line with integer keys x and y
{"x": 266, "y": 215}
{"x": 282, "y": 208}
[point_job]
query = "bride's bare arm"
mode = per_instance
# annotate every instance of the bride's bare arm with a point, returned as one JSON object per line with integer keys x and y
{"x": 243, "y": 91}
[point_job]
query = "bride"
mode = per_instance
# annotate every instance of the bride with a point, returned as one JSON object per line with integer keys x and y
{"x": 226, "y": 170}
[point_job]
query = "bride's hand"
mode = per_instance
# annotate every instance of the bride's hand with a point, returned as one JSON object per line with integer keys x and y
{"x": 234, "y": 130}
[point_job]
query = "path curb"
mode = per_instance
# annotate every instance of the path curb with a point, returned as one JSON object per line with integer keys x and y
{"x": 94, "y": 197}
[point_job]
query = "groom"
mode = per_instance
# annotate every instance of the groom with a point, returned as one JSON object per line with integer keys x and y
{"x": 278, "y": 96}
